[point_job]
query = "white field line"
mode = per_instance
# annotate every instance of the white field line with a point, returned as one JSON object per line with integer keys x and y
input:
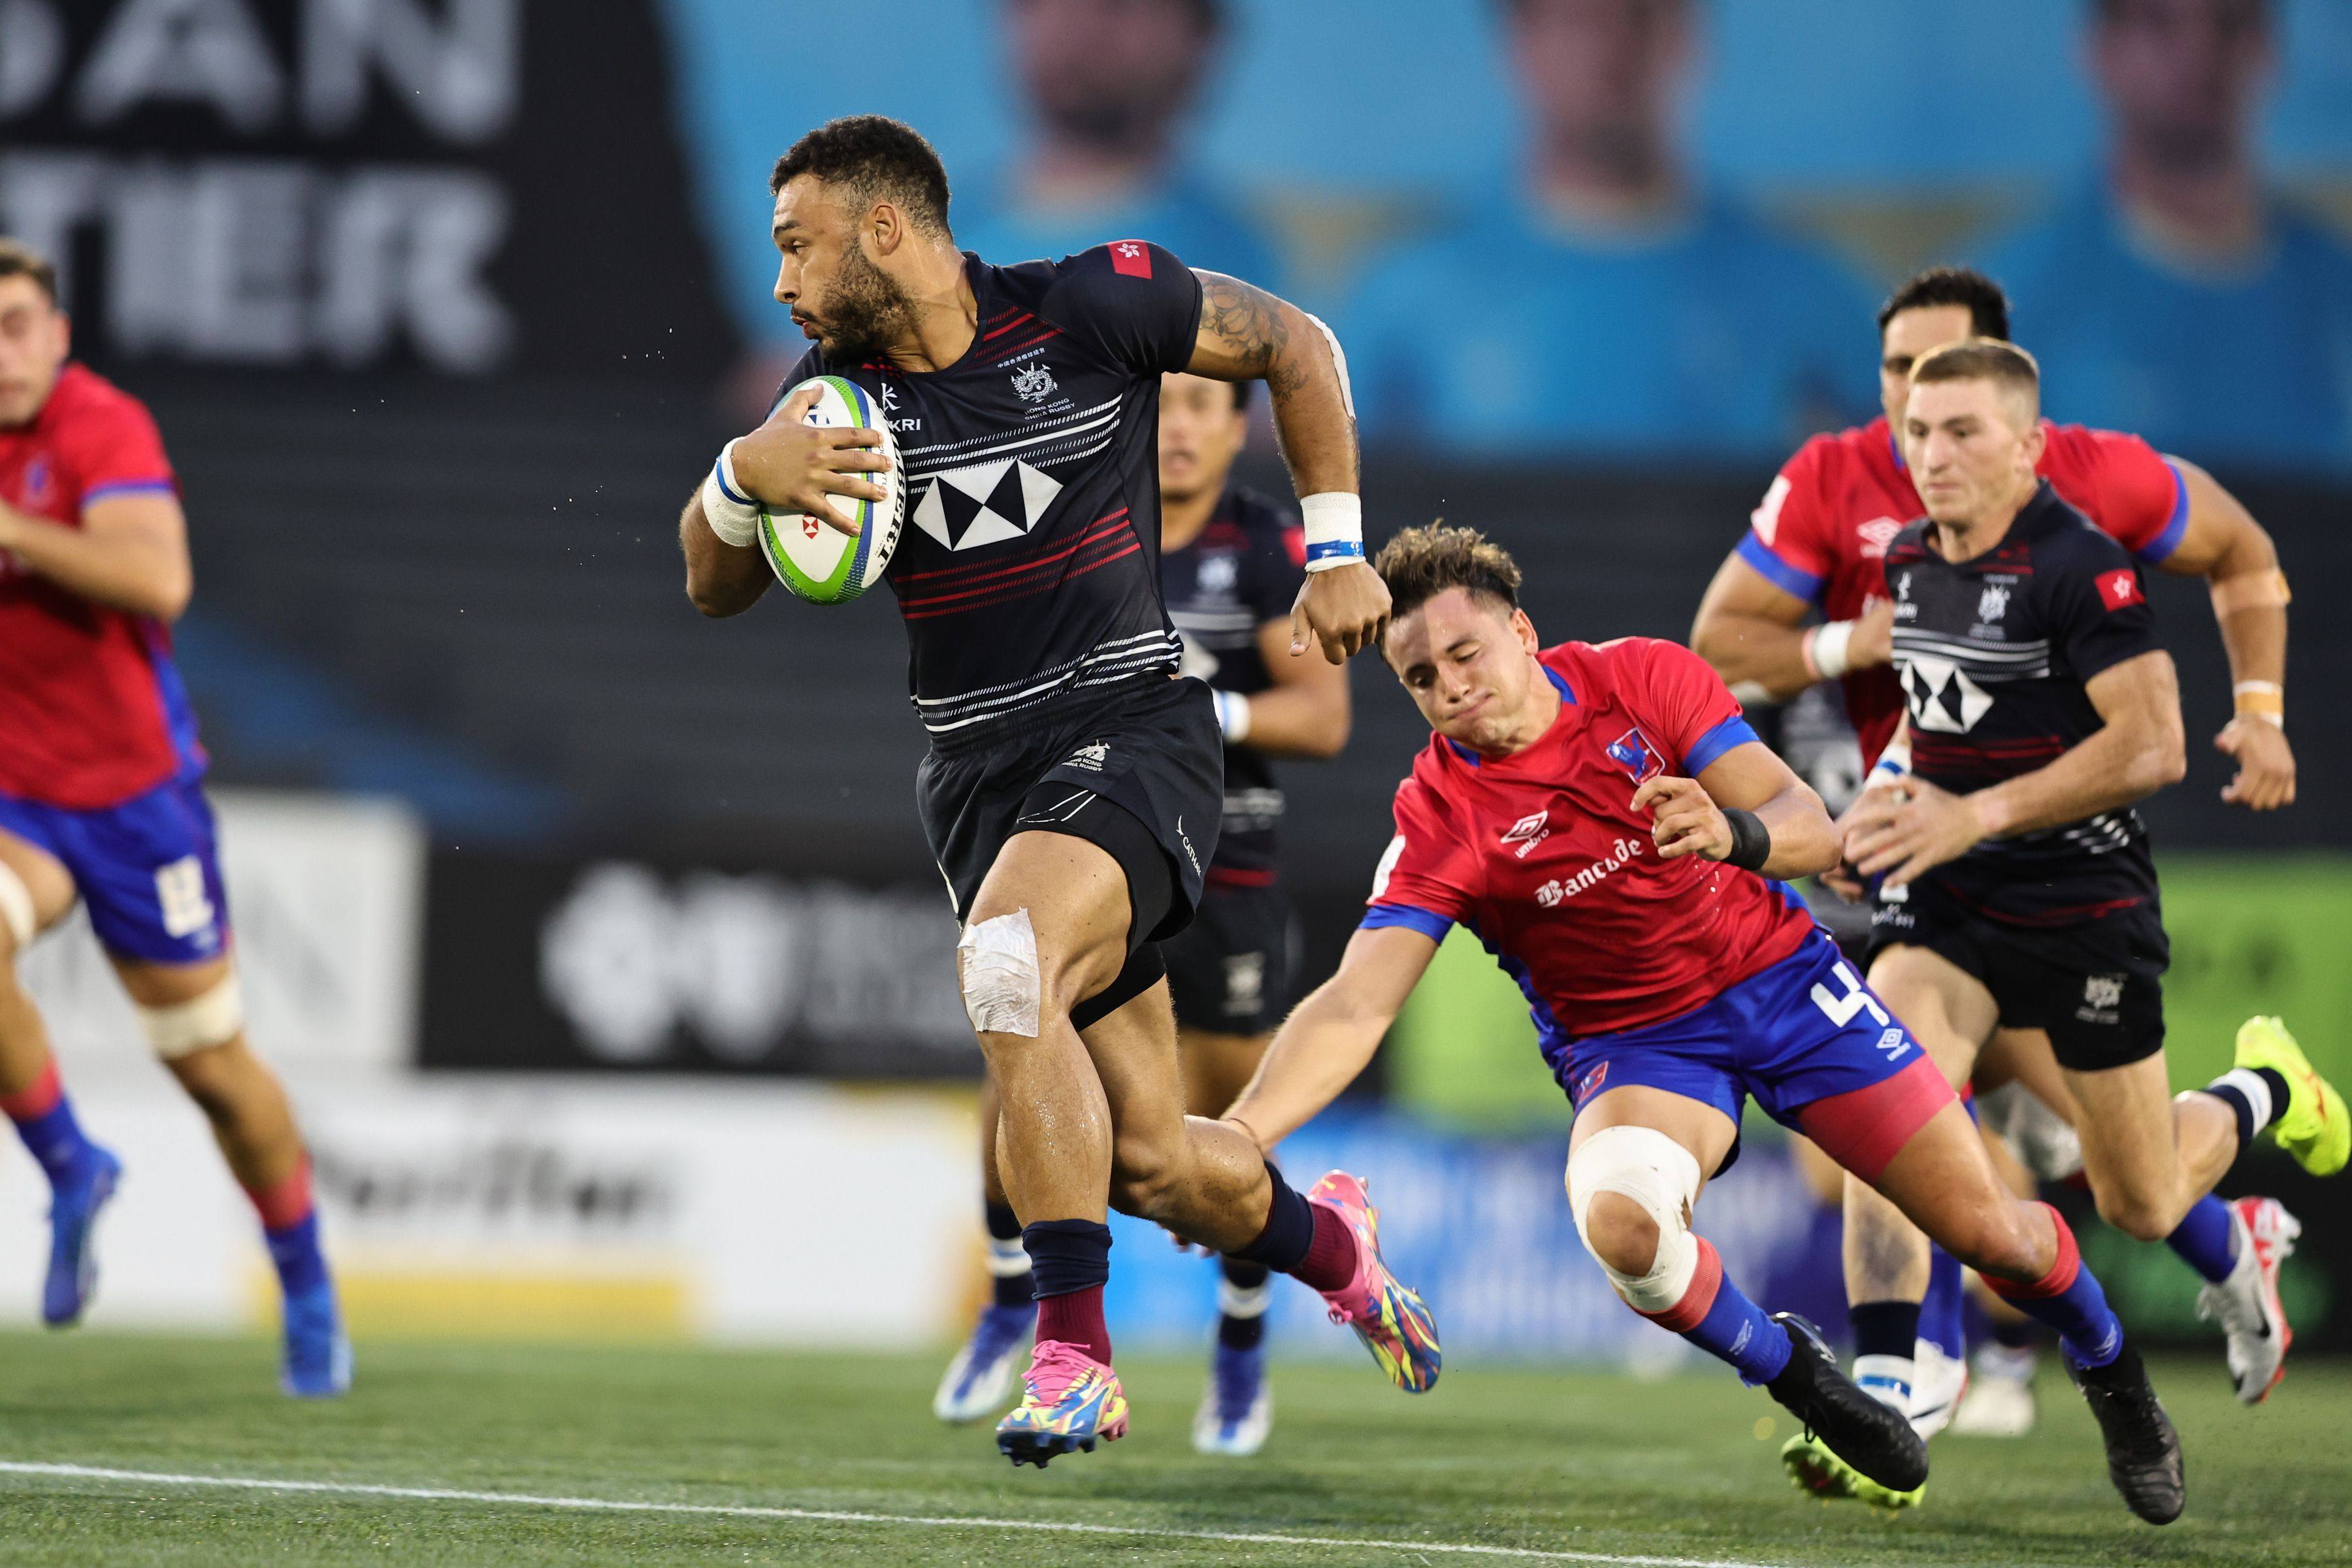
{"x": 836, "y": 1516}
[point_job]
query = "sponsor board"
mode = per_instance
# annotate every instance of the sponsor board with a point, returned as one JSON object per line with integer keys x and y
{"x": 541, "y": 1208}
{"x": 325, "y": 896}
{"x": 623, "y": 965}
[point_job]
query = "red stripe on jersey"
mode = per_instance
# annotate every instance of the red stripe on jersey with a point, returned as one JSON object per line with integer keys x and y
{"x": 1101, "y": 528}
{"x": 1028, "y": 590}
{"x": 1000, "y": 331}
{"x": 1235, "y": 877}
{"x": 1026, "y": 344}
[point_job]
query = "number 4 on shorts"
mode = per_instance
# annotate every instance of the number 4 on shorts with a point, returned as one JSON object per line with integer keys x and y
{"x": 1842, "y": 1009}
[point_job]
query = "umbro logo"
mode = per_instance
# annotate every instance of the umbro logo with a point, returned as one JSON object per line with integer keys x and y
{"x": 1526, "y": 833}
{"x": 986, "y": 503}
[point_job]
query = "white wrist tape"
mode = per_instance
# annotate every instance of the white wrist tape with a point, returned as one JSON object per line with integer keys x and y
{"x": 1825, "y": 648}
{"x": 1338, "y": 363}
{"x": 1335, "y": 529}
{"x": 1233, "y": 716}
{"x": 733, "y": 516}
{"x": 1893, "y": 762}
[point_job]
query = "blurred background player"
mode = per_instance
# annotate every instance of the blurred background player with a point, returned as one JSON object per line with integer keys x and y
{"x": 2017, "y": 883}
{"x": 2175, "y": 291}
{"x": 1818, "y": 541}
{"x": 1109, "y": 87}
{"x": 101, "y": 799}
{"x": 1568, "y": 797}
{"x": 1231, "y": 565}
{"x": 1718, "y": 329}
{"x": 1066, "y": 758}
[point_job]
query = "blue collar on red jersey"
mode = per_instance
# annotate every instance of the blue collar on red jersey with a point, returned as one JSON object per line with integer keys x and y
{"x": 1560, "y": 684}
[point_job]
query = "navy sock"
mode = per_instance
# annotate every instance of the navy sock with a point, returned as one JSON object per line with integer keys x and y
{"x": 2206, "y": 1239}
{"x": 1010, "y": 1282}
{"x": 1068, "y": 1254}
{"x": 2256, "y": 1096}
{"x": 294, "y": 1249}
{"x": 1943, "y": 1314}
{"x": 1716, "y": 1316}
{"x": 1290, "y": 1229}
{"x": 1885, "y": 1328}
{"x": 1243, "y": 1298}
{"x": 2016, "y": 1334}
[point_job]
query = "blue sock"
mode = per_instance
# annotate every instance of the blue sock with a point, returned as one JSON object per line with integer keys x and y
{"x": 1716, "y": 1316}
{"x": 302, "y": 1267}
{"x": 45, "y": 1121}
{"x": 2206, "y": 1239}
{"x": 1942, "y": 1313}
{"x": 2068, "y": 1299}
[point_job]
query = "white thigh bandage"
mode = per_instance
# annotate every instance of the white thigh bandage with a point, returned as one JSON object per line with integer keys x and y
{"x": 215, "y": 1018}
{"x": 17, "y": 916}
{"x": 1658, "y": 1173}
{"x": 998, "y": 959}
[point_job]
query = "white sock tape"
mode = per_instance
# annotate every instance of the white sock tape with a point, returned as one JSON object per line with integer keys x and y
{"x": 732, "y": 513}
{"x": 997, "y": 958}
{"x": 18, "y": 916}
{"x": 1335, "y": 529}
{"x": 215, "y": 1018}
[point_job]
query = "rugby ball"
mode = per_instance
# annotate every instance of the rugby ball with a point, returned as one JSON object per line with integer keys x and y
{"x": 814, "y": 559}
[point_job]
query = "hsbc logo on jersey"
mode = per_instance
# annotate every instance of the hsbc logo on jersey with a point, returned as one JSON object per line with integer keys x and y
{"x": 1632, "y": 752}
{"x": 2118, "y": 590}
{"x": 1940, "y": 696}
{"x": 1526, "y": 833}
{"x": 986, "y": 503}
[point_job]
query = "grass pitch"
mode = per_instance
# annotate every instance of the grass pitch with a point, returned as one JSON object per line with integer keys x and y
{"x": 1498, "y": 1464}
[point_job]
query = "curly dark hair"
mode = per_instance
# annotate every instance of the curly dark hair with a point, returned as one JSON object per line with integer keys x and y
{"x": 1987, "y": 305}
{"x": 875, "y": 158}
{"x": 1420, "y": 563}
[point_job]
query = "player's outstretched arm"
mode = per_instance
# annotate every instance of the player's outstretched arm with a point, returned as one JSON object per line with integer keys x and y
{"x": 1306, "y": 712}
{"x": 1752, "y": 631}
{"x": 130, "y": 552}
{"x": 1248, "y": 334}
{"x": 1329, "y": 1037}
{"x": 2135, "y": 751}
{"x": 2223, "y": 545}
{"x": 1786, "y": 831}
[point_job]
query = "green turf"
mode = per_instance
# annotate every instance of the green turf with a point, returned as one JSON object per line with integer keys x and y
{"x": 1496, "y": 1455}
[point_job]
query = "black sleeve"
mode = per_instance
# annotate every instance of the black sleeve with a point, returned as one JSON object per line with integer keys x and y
{"x": 810, "y": 364}
{"x": 1278, "y": 563}
{"x": 1132, "y": 301}
{"x": 2098, "y": 610}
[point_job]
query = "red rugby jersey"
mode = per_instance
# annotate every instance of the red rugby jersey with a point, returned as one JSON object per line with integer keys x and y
{"x": 91, "y": 710}
{"x": 1823, "y": 529}
{"x": 1542, "y": 855}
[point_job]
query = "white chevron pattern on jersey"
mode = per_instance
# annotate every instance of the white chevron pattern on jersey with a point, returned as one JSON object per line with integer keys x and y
{"x": 985, "y": 503}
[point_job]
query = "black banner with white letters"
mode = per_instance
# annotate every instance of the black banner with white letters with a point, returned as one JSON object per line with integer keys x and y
{"x": 471, "y": 186}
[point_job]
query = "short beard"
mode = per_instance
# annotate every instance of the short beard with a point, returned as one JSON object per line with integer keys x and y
{"x": 863, "y": 311}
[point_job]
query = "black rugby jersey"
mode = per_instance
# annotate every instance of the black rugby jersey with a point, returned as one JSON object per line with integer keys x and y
{"x": 1242, "y": 570}
{"x": 1993, "y": 655}
{"x": 1028, "y": 565}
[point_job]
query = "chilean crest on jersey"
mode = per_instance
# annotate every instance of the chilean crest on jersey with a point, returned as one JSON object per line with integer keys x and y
{"x": 1632, "y": 752}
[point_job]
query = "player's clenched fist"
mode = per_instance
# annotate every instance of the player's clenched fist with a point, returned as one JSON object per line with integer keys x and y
{"x": 2265, "y": 780}
{"x": 1903, "y": 833}
{"x": 1684, "y": 819}
{"x": 1346, "y": 609}
{"x": 788, "y": 465}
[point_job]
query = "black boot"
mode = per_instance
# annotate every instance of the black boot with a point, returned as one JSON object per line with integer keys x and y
{"x": 2143, "y": 1450}
{"x": 1875, "y": 1439}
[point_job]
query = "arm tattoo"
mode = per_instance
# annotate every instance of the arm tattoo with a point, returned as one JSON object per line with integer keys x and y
{"x": 1249, "y": 320}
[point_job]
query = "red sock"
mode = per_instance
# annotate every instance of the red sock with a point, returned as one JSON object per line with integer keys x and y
{"x": 286, "y": 1203}
{"x": 36, "y": 1099}
{"x": 1075, "y": 1318}
{"x": 1330, "y": 1260}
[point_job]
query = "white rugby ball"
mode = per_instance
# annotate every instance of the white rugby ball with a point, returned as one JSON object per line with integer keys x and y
{"x": 811, "y": 557}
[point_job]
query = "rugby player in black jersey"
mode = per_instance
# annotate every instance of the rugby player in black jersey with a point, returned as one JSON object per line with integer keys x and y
{"x": 1074, "y": 787}
{"x": 1231, "y": 565}
{"x": 2015, "y": 883}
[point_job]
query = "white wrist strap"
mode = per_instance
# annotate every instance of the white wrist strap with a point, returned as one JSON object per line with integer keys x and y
{"x": 733, "y": 516}
{"x": 1335, "y": 529}
{"x": 1824, "y": 648}
{"x": 1893, "y": 762}
{"x": 1233, "y": 716}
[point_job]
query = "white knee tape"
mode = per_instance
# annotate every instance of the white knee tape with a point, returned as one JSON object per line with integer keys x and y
{"x": 1662, "y": 1177}
{"x": 211, "y": 1020}
{"x": 17, "y": 916}
{"x": 997, "y": 958}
